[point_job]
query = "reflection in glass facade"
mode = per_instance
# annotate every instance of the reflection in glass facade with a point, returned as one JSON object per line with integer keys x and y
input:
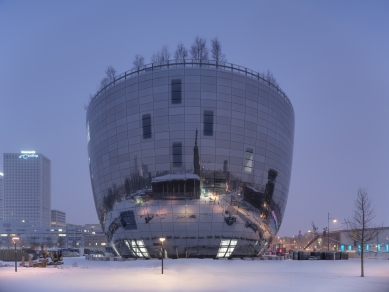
{"x": 198, "y": 153}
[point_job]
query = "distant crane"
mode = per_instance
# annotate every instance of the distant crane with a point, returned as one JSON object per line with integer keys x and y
{"x": 316, "y": 235}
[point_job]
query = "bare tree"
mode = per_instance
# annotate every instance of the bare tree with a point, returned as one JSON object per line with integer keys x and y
{"x": 91, "y": 96}
{"x": 270, "y": 78}
{"x": 103, "y": 83}
{"x": 216, "y": 51}
{"x": 138, "y": 62}
{"x": 360, "y": 227}
{"x": 181, "y": 53}
{"x": 111, "y": 73}
{"x": 162, "y": 56}
{"x": 199, "y": 50}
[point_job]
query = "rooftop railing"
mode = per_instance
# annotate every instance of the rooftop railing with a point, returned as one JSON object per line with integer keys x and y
{"x": 192, "y": 63}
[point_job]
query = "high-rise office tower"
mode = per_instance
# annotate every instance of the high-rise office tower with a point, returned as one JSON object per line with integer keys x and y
{"x": 58, "y": 218}
{"x": 1, "y": 196}
{"x": 27, "y": 188}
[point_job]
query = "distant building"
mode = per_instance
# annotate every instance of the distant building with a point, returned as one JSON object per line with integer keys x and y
{"x": 58, "y": 218}
{"x": 27, "y": 188}
{"x": 89, "y": 236}
{"x": 1, "y": 196}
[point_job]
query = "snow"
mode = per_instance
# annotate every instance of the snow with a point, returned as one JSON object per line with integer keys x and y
{"x": 199, "y": 275}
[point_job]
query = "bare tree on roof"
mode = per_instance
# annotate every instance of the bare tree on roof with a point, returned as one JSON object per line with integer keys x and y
{"x": 199, "y": 50}
{"x": 103, "y": 83}
{"x": 138, "y": 62}
{"x": 111, "y": 73}
{"x": 181, "y": 53}
{"x": 162, "y": 56}
{"x": 216, "y": 51}
{"x": 268, "y": 76}
{"x": 91, "y": 96}
{"x": 361, "y": 228}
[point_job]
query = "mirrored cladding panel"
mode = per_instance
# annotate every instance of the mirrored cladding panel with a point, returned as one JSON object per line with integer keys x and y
{"x": 196, "y": 153}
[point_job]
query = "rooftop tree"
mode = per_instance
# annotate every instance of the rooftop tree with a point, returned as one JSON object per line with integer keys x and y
{"x": 199, "y": 50}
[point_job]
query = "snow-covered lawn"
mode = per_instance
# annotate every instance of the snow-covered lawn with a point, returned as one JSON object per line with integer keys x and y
{"x": 200, "y": 275}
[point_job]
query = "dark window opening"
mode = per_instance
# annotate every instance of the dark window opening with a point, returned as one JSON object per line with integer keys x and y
{"x": 146, "y": 124}
{"x": 177, "y": 154}
{"x": 208, "y": 123}
{"x": 176, "y": 91}
{"x": 128, "y": 220}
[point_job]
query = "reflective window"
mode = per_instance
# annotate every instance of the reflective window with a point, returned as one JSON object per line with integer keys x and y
{"x": 176, "y": 91}
{"x": 146, "y": 124}
{"x": 208, "y": 123}
{"x": 226, "y": 248}
{"x": 128, "y": 220}
{"x": 137, "y": 248}
{"x": 177, "y": 154}
{"x": 248, "y": 160}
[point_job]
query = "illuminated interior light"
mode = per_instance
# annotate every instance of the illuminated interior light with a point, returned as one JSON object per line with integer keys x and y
{"x": 226, "y": 248}
{"x": 248, "y": 160}
{"x": 137, "y": 247}
{"x": 28, "y": 152}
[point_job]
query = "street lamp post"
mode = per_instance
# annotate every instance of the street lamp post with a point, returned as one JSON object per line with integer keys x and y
{"x": 162, "y": 239}
{"x": 15, "y": 240}
{"x": 328, "y": 231}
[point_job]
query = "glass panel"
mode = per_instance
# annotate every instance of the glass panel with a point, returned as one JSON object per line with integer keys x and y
{"x": 135, "y": 249}
{"x": 208, "y": 123}
{"x": 128, "y": 220}
{"x": 146, "y": 124}
{"x": 226, "y": 248}
{"x": 177, "y": 154}
{"x": 248, "y": 160}
{"x": 176, "y": 91}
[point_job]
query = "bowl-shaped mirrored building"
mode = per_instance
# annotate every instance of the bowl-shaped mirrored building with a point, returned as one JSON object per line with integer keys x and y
{"x": 197, "y": 153}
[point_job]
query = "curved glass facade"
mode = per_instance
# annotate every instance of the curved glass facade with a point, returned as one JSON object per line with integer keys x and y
{"x": 200, "y": 154}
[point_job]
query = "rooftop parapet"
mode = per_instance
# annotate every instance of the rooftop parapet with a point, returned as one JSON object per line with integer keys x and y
{"x": 190, "y": 64}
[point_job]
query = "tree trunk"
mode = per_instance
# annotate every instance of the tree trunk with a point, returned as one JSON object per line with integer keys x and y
{"x": 362, "y": 272}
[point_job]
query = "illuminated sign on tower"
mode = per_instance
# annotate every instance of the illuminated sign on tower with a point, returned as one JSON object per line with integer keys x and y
{"x": 28, "y": 154}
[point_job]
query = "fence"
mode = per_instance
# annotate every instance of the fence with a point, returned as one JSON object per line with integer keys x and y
{"x": 8, "y": 255}
{"x": 193, "y": 63}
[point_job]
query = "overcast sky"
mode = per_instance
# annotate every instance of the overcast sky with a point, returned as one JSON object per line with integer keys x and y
{"x": 330, "y": 57}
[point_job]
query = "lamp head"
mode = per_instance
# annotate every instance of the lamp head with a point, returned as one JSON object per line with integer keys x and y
{"x": 334, "y": 220}
{"x": 162, "y": 239}
{"x": 15, "y": 239}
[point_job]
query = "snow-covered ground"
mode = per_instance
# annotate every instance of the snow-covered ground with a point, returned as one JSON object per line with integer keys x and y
{"x": 199, "y": 275}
